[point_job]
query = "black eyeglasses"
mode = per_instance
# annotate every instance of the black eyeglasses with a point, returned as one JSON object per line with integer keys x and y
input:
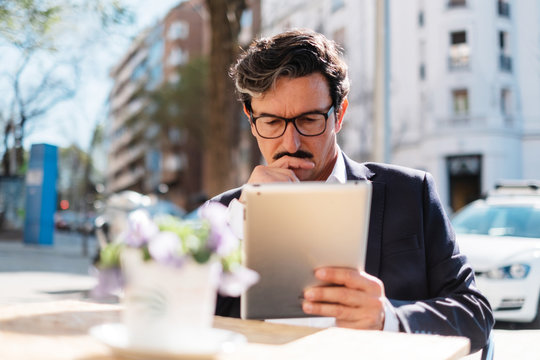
{"x": 312, "y": 123}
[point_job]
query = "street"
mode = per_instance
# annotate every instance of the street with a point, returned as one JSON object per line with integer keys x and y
{"x": 31, "y": 273}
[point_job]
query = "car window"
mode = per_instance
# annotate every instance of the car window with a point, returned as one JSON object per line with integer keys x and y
{"x": 498, "y": 220}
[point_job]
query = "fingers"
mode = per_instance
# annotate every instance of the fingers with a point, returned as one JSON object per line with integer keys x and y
{"x": 291, "y": 162}
{"x": 281, "y": 170}
{"x": 337, "y": 294}
{"x": 351, "y": 278}
{"x": 355, "y": 299}
{"x": 265, "y": 174}
{"x": 348, "y": 317}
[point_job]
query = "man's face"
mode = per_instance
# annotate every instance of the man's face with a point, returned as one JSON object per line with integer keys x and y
{"x": 292, "y": 97}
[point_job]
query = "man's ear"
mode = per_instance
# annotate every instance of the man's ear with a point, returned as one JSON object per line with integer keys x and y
{"x": 253, "y": 131}
{"x": 246, "y": 112}
{"x": 341, "y": 113}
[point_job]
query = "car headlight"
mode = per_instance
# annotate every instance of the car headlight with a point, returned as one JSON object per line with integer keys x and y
{"x": 514, "y": 271}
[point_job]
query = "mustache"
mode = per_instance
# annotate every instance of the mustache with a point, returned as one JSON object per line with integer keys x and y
{"x": 299, "y": 154}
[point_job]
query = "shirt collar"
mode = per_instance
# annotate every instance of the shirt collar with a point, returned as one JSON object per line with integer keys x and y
{"x": 339, "y": 173}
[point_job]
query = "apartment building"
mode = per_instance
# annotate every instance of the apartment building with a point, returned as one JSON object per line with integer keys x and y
{"x": 464, "y": 92}
{"x": 143, "y": 155}
{"x": 464, "y": 84}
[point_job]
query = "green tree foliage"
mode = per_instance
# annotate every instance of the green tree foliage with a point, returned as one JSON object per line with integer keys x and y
{"x": 180, "y": 105}
{"x": 27, "y": 24}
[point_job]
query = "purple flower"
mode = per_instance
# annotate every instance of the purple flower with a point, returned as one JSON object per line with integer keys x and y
{"x": 110, "y": 282}
{"x": 140, "y": 229}
{"x": 166, "y": 249}
{"x": 171, "y": 242}
{"x": 221, "y": 239}
{"x": 235, "y": 282}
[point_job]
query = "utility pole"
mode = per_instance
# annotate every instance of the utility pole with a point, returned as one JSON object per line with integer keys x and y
{"x": 382, "y": 129}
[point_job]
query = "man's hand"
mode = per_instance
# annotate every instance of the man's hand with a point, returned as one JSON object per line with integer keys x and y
{"x": 355, "y": 298}
{"x": 281, "y": 170}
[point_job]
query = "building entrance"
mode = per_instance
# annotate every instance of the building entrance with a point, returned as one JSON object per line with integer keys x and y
{"x": 465, "y": 172}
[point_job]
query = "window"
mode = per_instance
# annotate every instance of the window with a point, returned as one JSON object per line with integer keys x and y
{"x": 504, "y": 42}
{"x": 139, "y": 71}
{"x": 506, "y": 102}
{"x": 505, "y": 60}
{"x": 503, "y": 8}
{"x": 459, "y": 50}
{"x": 421, "y": 18}
{"x": 156, "y": 76}
{"x": 156, "y": 53}
{"x": 460, "y": 99}
{"x": 178, "y": 56}
{"x": 178, "y": 30}
{"x": 422, "y": 71}
{"x": 457, "y": 3}
{"x": 422, "y": 57}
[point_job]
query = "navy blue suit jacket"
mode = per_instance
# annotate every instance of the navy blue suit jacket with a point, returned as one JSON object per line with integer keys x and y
{"x": 411, "y": 248}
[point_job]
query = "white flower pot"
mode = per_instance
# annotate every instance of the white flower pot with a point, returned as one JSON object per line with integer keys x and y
{"x": 161, "y": 302}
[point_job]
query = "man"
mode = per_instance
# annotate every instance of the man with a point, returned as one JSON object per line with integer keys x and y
{"x": 294, "y": 88}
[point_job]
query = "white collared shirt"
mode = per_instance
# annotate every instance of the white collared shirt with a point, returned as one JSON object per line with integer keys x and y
{"x": 338, "y": 175}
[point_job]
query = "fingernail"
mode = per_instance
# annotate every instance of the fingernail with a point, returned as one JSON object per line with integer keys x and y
{"x": 307, "y": 307}
{"x": 320, "y": 273}
{"x": 309, "y": 295}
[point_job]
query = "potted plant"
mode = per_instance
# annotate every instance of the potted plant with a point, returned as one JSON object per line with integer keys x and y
{"x": 169, "y": 271}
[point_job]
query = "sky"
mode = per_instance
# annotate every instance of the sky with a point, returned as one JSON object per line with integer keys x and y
{"x": 73, "y": 121}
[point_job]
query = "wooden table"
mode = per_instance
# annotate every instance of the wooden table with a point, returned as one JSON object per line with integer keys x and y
{"x": 59, "y": 330}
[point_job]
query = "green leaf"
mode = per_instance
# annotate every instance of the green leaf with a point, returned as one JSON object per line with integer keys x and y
{"x": 109, "y": 256}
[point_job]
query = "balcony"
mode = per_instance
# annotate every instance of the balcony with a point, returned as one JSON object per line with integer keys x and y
{"x": 505, "y": 63}
{"x": 503, "y": 9}
{"x": 127, "y": 179}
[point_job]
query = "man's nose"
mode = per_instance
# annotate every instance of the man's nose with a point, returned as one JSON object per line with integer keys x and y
{"x": 291, "y": 139}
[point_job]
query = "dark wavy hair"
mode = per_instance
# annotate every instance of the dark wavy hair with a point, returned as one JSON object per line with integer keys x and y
{"x": 293, "y": 54}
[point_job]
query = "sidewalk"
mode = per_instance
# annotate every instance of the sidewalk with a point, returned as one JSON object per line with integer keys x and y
{"x": 30, "y": 273}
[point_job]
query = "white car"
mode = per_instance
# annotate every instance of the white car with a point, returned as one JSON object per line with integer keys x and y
{"x": 500, "y": 236}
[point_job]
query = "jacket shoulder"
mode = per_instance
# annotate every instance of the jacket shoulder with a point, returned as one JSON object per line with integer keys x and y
{"x": 390, "y": 173}
{"x": 226, "y": 197}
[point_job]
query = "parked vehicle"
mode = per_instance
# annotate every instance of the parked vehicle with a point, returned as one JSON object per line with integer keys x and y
{"x": 66, "y": 220}
{"x": 500, "y": 235}
{"x": 111, "y": 222}
{"x": 87, "y": 225}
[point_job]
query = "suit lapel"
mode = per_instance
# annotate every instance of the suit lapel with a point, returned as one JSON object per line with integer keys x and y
{"x": 356, "y": 171}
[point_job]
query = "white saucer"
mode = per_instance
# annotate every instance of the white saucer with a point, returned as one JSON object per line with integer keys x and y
{"x": 203, "y": 343}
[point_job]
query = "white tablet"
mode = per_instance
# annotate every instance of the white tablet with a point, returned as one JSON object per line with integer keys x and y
{"x": 291, "y": 229}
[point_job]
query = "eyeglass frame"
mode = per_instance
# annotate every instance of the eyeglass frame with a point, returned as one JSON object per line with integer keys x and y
{"x": 291, "y": 120}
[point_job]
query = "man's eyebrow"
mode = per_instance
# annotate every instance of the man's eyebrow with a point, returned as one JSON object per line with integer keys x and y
{"x": 318, "y": 111}
{"x": 269, "y": 114}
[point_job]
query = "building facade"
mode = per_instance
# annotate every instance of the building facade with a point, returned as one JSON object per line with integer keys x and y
{"x": 464, "y": 92}
{"x": 148, "y": 155}
{"x": 464, "y": 84}
{"x": 157, "y": 154}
